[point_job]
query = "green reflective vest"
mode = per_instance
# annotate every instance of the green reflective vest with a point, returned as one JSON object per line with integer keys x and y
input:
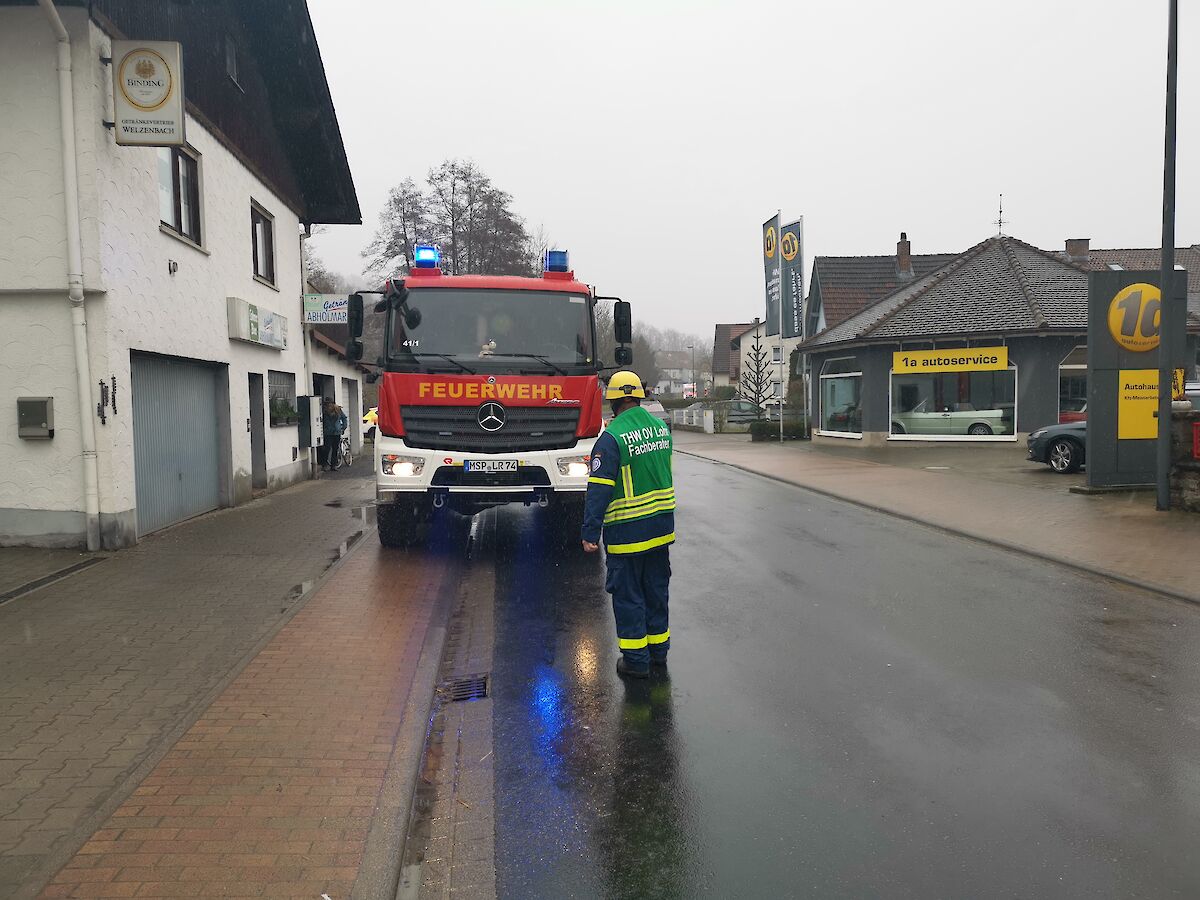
{"x": 644, "y": 487}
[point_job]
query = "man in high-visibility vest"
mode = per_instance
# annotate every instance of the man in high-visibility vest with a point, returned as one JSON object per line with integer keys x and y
{"x": 631, "y": 497}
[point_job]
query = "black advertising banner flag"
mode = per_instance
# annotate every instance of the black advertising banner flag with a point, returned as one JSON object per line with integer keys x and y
{"x": 771, "y": 272}
{"x": 791, "y": 249}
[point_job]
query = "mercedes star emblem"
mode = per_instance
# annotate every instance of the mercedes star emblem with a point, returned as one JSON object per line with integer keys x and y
{"x": 490, "y": 417}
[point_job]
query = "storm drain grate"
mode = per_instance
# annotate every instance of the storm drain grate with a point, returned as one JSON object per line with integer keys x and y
{"x": 471, "y": 687}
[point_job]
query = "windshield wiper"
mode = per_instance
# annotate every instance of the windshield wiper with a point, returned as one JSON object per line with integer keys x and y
{"x": 448, "y": 358}
{"x": 539, "y": 358}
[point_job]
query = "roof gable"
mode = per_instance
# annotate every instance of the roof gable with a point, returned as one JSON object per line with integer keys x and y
{"x": 847, "y": 285}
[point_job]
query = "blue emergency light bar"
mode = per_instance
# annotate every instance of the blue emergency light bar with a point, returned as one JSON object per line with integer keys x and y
{"x": 557, "y": 261}
{"x": 426, "y": 256}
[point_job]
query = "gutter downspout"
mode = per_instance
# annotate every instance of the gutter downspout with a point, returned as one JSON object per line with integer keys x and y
{"x": 307, "y": 337}
{"x": 87, "y": 426}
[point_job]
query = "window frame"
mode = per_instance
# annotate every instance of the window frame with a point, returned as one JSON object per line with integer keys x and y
{"x": 821, "y": 431}
{"x": 184, "y": 155}
{"x": 281, "y": 385}
{"x": 1063, "y": 365}
{"x": 259, "y": 214}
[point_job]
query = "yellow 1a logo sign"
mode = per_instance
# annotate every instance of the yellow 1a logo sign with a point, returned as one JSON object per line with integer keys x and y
{"x": 1135, "y": 317}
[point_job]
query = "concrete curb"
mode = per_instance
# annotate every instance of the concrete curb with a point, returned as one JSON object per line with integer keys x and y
{"x": 55, "y": 861}
{"x": 982, "y": 539}
{"x": 380, "y": 870}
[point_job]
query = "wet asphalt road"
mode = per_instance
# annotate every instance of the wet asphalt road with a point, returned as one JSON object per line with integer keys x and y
{"x": 856, "y": 706}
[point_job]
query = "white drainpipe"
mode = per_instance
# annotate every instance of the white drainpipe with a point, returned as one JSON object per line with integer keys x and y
{"x": 87, "y": 425}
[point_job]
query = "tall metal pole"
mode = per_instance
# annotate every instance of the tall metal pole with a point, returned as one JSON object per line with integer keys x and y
{"x": 1166, "y": 275}
{"x": 779, "y": 268}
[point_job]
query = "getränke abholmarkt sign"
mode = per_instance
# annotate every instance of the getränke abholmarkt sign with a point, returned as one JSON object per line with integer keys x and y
{"x": 147, "y": 93}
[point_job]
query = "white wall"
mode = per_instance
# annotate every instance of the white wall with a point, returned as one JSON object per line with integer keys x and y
{"x": 134, "y": 302}
{"x": 768, "y": 343}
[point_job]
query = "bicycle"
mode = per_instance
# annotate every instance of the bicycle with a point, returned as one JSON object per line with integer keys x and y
{"x": 345, "y": 456}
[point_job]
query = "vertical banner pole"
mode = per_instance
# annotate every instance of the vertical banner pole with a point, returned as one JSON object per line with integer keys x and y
{"x": 779, "y": 267}
{"x": 1166, "y": 277}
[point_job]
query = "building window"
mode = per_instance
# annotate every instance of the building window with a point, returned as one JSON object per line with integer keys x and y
{"x": 841, "y": 398}
{"x": 954, "y": 404}
{"x": 776, "y": 354}
{"x": 281, "y": 398}
{"x": 179, "y": 191}
{"x": 1072, "y": 386}
{"x": 262, "y": 234}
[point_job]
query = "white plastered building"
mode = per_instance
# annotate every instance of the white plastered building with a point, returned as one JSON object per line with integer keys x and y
{"x": 191, "y": 276}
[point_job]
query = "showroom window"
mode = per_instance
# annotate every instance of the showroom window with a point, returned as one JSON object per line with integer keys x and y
{"x": 954, "y": 405}
{"x": 1072, "y": 386}
{"x": 841, "y": 397}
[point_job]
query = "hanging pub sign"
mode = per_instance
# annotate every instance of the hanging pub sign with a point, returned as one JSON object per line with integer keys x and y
{"x": 147, "y": 93}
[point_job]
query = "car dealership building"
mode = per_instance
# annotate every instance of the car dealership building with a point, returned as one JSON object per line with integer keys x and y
{"x": 987, "y": 347}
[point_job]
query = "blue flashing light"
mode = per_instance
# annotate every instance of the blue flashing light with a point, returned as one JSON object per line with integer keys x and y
{"x": 426, "y": 256}
{"x": 557, "y": 261}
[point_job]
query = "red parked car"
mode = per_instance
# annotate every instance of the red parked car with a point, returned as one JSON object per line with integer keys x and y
{"x": 1072, "y": 411}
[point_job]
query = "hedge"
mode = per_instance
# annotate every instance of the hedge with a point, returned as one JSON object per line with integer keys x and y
{"x": 793, "y": 429}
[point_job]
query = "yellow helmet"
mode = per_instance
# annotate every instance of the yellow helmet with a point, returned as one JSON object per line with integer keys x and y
{"x": 625, "y": 384}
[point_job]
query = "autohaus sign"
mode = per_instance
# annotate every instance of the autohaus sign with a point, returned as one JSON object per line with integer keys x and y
{"x": 148, "y": 93}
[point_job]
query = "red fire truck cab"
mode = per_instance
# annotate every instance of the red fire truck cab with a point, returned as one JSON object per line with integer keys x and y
{"x": 490, "y": 393}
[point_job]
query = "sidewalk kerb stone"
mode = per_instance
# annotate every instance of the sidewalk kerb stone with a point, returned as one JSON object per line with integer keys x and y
{"x": 379, "y": 873}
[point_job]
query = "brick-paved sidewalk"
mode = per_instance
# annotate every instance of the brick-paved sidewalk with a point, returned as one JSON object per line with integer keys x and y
{"x": 99, "y": 672}
{"x": 450, "y": 851}
{"x": 272, "y": 791}
{"x": 1109, "y": 534}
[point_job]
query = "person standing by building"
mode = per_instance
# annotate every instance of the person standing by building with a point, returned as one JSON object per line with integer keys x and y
{"x": 631, "y": 503}
{"x": 333, "y": 425}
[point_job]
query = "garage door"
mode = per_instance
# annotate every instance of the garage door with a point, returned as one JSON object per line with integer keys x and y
{"x": 175, "y": 440}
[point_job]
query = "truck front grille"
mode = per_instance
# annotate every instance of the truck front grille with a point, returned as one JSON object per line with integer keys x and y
{"x": 457, "y": 428}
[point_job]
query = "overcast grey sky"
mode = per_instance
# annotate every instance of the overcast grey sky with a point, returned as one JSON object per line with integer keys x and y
{"x": 652, "y": 138}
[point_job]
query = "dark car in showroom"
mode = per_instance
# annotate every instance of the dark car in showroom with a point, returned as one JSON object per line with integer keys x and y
{"x": 1062, "y": 447}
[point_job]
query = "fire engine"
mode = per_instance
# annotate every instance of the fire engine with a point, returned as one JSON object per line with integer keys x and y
{"x": 489, "y": 392}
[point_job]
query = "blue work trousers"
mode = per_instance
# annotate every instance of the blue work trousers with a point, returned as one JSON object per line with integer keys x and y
{"x": 639, "y": 584}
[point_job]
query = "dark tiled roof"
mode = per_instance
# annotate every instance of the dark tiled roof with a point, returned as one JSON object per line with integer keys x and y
{"x": 1188, "y": 257}
{"x": 849, "y": 284}
{"x": 723, "y": 336}
{"x": 1000, "y": 285}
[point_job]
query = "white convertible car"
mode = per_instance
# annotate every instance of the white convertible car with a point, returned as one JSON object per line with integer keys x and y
{"x": 961, "y": 418}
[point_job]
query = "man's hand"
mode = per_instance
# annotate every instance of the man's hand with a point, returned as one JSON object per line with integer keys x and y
{"x": 589, "y": 547}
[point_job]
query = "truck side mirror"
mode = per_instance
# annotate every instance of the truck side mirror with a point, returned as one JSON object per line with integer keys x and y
{"x": 623, "y": 356}
{"x": 354, "y": 350}
{"x": 622, "y": 323}
{"x": 354, "y": 321}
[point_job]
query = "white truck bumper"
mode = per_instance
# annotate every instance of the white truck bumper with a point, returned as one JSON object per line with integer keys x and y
{"x": 407, "y": 474}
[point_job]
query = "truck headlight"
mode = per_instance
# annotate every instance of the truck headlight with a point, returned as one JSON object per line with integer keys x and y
{"x": 573, "y": 466}
{"x": 404, "y": 466}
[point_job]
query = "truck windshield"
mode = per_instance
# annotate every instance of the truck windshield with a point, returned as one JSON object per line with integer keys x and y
{"x": 487, "y": 330}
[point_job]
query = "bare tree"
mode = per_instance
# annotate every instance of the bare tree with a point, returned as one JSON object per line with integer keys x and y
{"x": 461, "y": 211}
{"x": 403, "y": 223}
{"x": 754, "y": 382}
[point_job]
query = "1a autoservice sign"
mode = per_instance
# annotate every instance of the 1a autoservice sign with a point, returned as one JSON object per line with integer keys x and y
{"x": 148, "y": 93}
